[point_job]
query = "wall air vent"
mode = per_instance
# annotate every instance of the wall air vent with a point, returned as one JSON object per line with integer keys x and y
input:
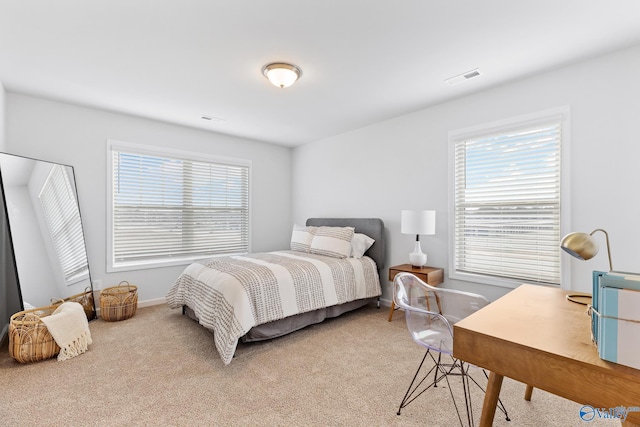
{"x": 463, "y": 77}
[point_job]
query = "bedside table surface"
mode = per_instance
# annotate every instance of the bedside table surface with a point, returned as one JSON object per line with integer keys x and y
{"x": 411, "y": 269}
{"x": 431, "y": 275}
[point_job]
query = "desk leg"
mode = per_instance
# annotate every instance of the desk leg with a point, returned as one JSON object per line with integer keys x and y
{"x": 528, "y": 392}
{"x": 491, "y": 399}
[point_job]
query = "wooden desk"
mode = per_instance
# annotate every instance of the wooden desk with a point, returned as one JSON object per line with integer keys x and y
{"x": 534, "y": 335}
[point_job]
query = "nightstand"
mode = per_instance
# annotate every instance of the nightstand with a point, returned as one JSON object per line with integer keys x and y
{"x": 431, "y": 275}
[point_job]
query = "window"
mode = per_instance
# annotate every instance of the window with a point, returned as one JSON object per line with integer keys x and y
{"x": 62, "y": 215}
{"x": 506, "y": 195}
{"x": 169, "y": 207}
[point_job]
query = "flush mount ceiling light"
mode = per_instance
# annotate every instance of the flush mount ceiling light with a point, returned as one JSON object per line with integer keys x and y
{"x": 281, "y": 74}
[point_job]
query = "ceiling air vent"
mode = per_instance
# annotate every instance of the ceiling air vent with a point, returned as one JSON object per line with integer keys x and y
{"x": 463, "y": 77}
{"x": 211, "y": 119}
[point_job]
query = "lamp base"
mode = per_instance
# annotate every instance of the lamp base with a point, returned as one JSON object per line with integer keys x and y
{"x": 417, "y": 258}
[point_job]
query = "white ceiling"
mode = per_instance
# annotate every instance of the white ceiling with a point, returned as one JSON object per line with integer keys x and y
{"x": 363, "y": 61}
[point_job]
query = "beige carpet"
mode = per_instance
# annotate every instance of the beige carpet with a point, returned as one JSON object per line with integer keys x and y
{"x": 161, "y": 368}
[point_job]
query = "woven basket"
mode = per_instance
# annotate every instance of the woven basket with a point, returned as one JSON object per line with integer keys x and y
{"x": 29, "y": 338}
{"x": 85, "y": 299}
{"x": 118, "y": 302}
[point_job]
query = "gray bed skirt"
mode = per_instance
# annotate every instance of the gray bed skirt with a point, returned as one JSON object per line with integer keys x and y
{"x": 293, "y": 323}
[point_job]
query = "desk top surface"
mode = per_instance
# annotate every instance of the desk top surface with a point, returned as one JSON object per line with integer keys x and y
{"x": 541, "y": 318}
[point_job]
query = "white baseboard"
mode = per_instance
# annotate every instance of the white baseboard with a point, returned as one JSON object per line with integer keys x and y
{"x": 151, "y": 302}
{"x": 147, "y": 303}
{"x": 159, "y": 301}
{"x": 385, "y": 302}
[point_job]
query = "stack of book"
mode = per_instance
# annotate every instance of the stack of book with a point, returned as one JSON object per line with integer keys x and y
{"x": 615, "y": 317}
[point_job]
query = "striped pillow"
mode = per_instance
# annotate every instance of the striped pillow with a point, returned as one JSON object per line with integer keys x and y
{"x": 332, "y": 241}
{"x": 301, "y": 238}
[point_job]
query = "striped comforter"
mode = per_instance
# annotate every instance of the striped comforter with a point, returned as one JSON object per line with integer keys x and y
{"x": 231, "y": 295}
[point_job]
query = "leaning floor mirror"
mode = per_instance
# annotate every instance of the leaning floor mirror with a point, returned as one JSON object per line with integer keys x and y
{"x": 45, "y": 232}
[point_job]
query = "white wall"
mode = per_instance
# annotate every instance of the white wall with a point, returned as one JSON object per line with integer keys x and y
{"x": 402, "y": 163}
{"x": 76, "y": 136}
{"x": 2, "y": 118}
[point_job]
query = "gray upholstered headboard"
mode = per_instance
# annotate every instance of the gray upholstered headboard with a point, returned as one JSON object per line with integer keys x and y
{"x": 372, "y": 227}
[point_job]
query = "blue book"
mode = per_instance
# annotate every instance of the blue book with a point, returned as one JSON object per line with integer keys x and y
{"x": 622, "y": 280}
{"x": 595, "y": 304}
{"x": 619, "y": 326}
{"x": 610, "y": 279}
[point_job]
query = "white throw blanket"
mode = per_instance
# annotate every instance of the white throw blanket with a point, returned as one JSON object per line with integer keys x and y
{"x": 69, "y": 327}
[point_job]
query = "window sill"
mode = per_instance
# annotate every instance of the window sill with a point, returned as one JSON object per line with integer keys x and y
{"x": 494, "y": 280}
{"x": 145, "y": 265}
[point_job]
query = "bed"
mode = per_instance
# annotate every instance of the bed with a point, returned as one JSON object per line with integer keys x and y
{"x": 262, "y": 296}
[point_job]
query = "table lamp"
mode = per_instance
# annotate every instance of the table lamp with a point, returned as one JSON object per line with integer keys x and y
{"x": 584, "y": 246}
{"x": 418, "y": 222}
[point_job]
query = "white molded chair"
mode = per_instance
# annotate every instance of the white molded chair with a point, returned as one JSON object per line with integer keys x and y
{"x": 431, "y": 313}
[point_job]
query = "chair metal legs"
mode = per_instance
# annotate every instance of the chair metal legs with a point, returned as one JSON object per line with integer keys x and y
{"x": 441, "y": 371}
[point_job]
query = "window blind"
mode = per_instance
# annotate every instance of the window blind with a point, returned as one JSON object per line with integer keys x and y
{"x": 62, "y": 215}
{"x": 167, "y": 209}
{"x": 507, "y": 204}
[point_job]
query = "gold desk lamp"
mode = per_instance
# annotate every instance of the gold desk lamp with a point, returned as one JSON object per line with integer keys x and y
{"x": 583, "y": 246}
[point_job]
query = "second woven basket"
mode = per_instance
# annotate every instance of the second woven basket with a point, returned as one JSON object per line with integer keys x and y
{"x": 118, "y": 302}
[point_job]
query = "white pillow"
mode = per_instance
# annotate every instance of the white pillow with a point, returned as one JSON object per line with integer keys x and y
{"x": 332, "y": 241}
{"x": 359, "y": 244}
{"x": 301, "y": 238}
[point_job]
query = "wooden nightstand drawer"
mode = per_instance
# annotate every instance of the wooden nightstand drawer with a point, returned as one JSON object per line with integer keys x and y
{"x": 431, "y": 275}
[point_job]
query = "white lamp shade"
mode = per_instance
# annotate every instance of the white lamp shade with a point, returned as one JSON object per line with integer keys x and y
{"x": 418, "y": 222}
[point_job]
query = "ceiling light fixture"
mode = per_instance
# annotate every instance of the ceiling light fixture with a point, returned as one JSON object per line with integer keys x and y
{"x": 281, "y": 74}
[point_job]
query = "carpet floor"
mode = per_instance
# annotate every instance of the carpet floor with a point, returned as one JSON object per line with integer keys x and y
{"x": 161, "y": 368}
